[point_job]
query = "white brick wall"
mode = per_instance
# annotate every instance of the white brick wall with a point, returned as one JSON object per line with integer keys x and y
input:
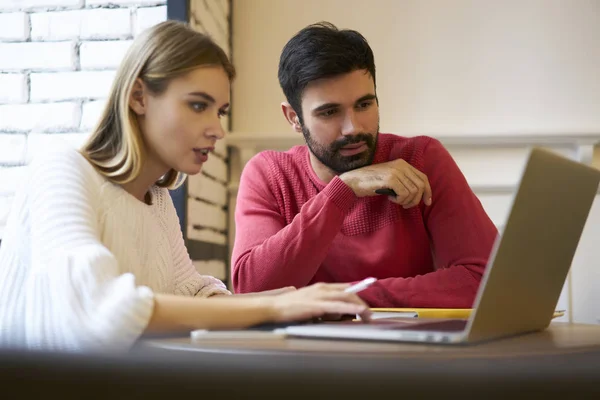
{"x": 36, "y": 56}
{"x": 123, "y": 2}
{"x": 13, "y": 88}
{"x": 14, "y": 26}
{"x": 57, "y": 63}
{"x": 10, "y": 178}
{"x": 10, "y": 5}
{"x": 103, "y": 54}
{"x": 103, "y": 23}
{"x": 41, "y": 117}
{"x": 12, "y": 148}
{"x": 70, "y": 85}
{"x": 146, "y": 17}
{"x": 91, "y": 114}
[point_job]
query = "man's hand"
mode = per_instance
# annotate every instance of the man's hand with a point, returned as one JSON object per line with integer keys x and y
{"x": 410, "y": 184}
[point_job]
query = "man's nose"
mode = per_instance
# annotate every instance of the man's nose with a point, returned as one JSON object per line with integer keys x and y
{"x": 350, "y": 125}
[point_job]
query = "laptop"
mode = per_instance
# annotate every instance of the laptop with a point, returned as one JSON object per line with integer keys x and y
{"x": 526, "y": 271}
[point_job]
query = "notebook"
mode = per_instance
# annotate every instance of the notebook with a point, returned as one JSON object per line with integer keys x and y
{"x": 380, "y": 313}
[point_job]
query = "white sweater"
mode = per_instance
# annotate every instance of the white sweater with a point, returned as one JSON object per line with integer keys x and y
{"x": 81, "y": 259}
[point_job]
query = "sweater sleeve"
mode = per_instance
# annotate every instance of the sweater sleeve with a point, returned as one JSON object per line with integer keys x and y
{"x": 188, "y": 281}
{"x": 76, "y": 298}
{"x": 462, "y": 236}
{"x": 268, "y": 254}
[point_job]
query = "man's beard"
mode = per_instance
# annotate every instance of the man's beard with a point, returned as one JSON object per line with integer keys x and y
{"x": 331, "y": 157}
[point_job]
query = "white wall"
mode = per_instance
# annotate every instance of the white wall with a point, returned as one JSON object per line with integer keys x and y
{"x": 456, "y": 66}
{"x": 57, "y": 62}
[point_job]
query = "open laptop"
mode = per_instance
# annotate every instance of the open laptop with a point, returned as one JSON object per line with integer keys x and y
{"x": 526, "y": 272}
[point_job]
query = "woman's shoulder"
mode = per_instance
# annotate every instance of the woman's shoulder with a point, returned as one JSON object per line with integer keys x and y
{"x": 67, "y": 155}
{"x": 63, "y": 171}
{"x": 67, "y": 162}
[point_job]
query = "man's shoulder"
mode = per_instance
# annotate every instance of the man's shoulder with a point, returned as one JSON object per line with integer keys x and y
{"x": 410, "y": 148}
{"x": 273, "y": 161}
{"x": 419, "y": 141}
{"x": 271, "y": 170}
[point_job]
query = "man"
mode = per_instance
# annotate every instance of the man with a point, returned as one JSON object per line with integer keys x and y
{"x": 312, "y": 214}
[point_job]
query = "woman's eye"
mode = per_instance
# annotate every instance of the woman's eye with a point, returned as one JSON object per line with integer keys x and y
{"x": 223, "y": 113}
{"x": 198, "y": 106}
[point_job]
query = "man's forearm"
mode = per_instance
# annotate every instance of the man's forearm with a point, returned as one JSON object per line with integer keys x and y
{"x": 292, "y": 255}
{"x": 453, "y": 287}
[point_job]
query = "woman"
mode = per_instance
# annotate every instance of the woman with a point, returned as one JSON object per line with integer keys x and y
{"x": 93, "y": 255}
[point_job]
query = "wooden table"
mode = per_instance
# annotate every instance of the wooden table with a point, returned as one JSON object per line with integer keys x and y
{"x": 563, "y": 360}
{"x": 559, "y": 339}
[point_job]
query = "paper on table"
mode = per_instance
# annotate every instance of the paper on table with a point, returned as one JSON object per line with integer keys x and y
{"x": 203, "y": 334}
{"x": 264, "y": 331}
{"x": 394, "y": 314}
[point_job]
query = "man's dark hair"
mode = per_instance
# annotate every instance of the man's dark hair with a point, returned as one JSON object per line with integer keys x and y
{"x": 318, "y": 51}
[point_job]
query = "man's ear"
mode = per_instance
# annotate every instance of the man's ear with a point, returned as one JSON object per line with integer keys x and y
{"x": 137, "y": 101}
{"x": 291, "y": 116}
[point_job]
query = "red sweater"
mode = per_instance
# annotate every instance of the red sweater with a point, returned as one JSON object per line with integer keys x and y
{"x": 292, "y": 229}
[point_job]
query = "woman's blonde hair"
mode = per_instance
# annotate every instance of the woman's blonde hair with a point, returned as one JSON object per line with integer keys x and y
{"x": 160, "y": 54}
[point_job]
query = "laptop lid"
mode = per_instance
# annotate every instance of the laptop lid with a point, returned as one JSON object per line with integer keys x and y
{"x": 530, "y": 262}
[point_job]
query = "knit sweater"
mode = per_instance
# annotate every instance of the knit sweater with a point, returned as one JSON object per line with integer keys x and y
{"x": 294, "y": 229}
{"x": 81, "y": 259}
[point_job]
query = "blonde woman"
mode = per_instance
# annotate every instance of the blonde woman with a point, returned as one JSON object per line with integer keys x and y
{"x": 93, "y": 256}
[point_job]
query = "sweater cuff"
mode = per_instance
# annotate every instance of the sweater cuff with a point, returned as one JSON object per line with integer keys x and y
{"x": 340, "y": 194}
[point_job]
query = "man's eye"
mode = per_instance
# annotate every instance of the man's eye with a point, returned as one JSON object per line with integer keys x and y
{"x": 198, "y": 106}
{"x": 365, "y": 104}
{"x": 328, "y": 113}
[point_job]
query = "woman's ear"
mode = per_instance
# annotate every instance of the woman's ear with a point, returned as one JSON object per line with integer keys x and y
{"x": 136, "y": 100}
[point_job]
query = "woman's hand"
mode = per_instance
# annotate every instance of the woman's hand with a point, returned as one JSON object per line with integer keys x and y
{"x": 273, "y": 292}
{"x": 173, "y": 313}
{"x": 317, "y": 300}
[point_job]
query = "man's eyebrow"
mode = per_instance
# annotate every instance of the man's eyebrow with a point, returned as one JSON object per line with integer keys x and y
{"x": 205, "y": 95}
{"x": 327, "y": 106}
{"x": 366, "y": 97}
{"x": 324, "y": 107}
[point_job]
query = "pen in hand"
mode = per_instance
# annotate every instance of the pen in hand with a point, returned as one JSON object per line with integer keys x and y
{"x": 387, "y": 192}
{"x": 360, "y": 286}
